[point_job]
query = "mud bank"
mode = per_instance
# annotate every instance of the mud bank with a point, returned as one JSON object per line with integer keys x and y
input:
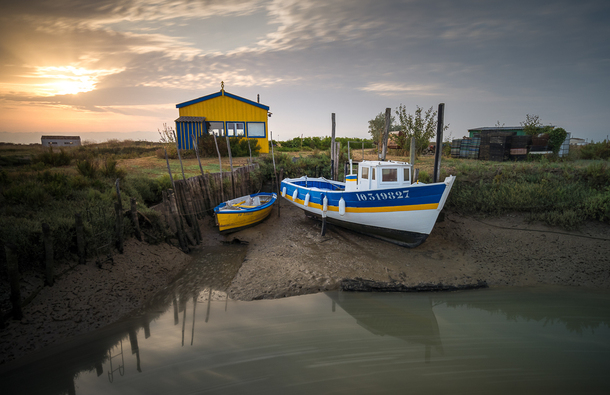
{"x": 287, "y": 256}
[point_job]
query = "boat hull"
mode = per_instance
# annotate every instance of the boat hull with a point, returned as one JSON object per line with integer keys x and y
{"x": 404, "y": 215}
{"x": 234, "y": 220}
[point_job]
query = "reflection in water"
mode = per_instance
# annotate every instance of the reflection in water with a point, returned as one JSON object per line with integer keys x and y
{"x": 494, "y": 341}
{"x": 215, "y": 267}
{"x": 408, "y": 317}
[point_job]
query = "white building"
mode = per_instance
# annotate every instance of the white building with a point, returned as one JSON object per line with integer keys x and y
{"x": 60, "y": 141}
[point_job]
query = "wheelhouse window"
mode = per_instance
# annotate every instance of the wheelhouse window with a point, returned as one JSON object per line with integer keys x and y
{"x": 406, "y": 174}
{"x": 235, "y": 129}
{"x": 389, "y": 175}
{"x": 365, "y": 173}
{"x": 256, "y": 129}
{"x": 216, "y": 128}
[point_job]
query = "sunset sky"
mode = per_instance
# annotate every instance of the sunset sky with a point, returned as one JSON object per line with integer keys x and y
{"x": 98, "y": 68}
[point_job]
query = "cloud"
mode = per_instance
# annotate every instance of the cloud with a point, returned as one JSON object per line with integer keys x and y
{"x": 394, "y": 89}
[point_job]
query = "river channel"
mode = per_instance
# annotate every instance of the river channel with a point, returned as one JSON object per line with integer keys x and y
{"x": 193, "y": 339}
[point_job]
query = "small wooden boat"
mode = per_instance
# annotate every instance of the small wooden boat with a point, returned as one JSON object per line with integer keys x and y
{"x": 380, "y": 200}
{"x": 243, "y": 212}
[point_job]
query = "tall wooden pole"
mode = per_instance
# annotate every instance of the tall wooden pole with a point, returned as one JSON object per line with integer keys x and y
{"x": 332, "y": 148}
{"x": 439, "y": 141}
{"x": 386, "y": 133}
{"x": 179, "y": 156}
{"x": 169, "y": 170}
{"x": 412, "y": 158}
{"x": 222, "y": 192}
{"x": 231, "y": 164}
{"x": 273, "y": 158}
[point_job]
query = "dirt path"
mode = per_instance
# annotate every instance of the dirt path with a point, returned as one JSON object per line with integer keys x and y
{"x": 288, "y": 256}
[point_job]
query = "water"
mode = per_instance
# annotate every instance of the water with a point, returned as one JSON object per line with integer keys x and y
{"x": 194, "y": 340}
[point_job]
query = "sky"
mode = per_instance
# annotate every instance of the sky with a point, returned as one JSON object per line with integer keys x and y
{"x": 117, "y": 68}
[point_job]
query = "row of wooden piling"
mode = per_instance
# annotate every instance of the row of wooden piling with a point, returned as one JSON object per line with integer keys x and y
{"x": 194, "y": 198}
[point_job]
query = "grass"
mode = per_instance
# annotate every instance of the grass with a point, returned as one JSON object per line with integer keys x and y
{"x": 37, "y": 187}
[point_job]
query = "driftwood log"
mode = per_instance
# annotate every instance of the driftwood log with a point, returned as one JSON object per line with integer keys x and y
{"x": 361, "y": 285}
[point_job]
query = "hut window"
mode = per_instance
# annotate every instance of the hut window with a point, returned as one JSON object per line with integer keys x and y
{"x": 406, "y": 174}
{"x": 217, "y": 128}
{"x": 235, "y": 129}
{"x": 389, "y": 175}
{"x": 256, "y": 129}
{"x": 365, "y": 173}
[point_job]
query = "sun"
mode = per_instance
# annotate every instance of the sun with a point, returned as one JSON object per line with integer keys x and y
{"x": 69, "y": 80}
{"x": 73, "y": 86}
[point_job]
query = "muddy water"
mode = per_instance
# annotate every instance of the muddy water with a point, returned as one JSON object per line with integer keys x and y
{"x": 193, "y": 339}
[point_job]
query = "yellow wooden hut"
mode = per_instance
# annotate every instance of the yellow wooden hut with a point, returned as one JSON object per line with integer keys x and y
{"x": 222, "y": 114}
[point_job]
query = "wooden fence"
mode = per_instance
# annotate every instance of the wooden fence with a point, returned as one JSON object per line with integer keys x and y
{"x": 196, "y": 197}
{"x": 193, "y": 199}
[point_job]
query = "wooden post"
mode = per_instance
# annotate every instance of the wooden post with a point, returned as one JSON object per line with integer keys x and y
{"x": 332, "y": 148}
{"x": 179, "y": 156}
{"x": 439, "y": 141}
{"x": 191, "y": 212}
{"x": 197, "y": 152}
{"x": 14, "y": 278}
{"x": 175, "y": 216}
{"x": 388, "y": 116}
{"x": 249, "y": 150}
{"x": 279, "y": 193}
{"x": 119, "y": 227}
{"x": 273, "y": 157}
{"x": 80, "y": 239}
{"x": 169, "y": 170}
{"x": 48, "y": 252}
{"x": 206, "y": 184}
{"x": 413, "y": 158}
{"x": 222, "y": 193}
{"x": 231, "y": 164}
{"x": 134, "y": 218}
{"x": 337, "y": 158}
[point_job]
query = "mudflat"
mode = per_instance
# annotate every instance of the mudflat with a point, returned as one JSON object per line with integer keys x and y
{"x": 287, "y": 256}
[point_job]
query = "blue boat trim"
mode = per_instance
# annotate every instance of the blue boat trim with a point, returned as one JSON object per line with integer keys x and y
{"x": 403, "y": 196}
{"x": 251, "y": 209}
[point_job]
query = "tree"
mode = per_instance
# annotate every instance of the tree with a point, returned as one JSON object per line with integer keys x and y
{"x": 532, "y": 125}
{"x": 166, "y": 135}
{"x": 422, "y": 127}
{"x": 377, "y": 127}
{"x": 556, "y": 138}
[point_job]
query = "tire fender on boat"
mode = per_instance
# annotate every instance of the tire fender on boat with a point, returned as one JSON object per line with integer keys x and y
{"x": 342, "y": 206}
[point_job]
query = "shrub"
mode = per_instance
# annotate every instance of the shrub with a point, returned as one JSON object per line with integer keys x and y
{"x": 55, "y": 159}
{"x": 239, "y": 146}
{"x": 599, "y": 150}
{"x": 87, "y": 168}
{"x": 111, "y": 170}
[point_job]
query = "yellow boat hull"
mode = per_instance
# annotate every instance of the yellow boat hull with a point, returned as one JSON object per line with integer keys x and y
{"x": 244, "y": 211}
{"x": 235, "y": 221}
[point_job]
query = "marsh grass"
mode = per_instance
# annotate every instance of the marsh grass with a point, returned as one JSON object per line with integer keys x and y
{"x": 557, "y": 194}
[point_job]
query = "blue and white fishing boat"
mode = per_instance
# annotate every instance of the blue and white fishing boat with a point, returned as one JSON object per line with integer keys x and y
{"x": 380, "y": 200}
